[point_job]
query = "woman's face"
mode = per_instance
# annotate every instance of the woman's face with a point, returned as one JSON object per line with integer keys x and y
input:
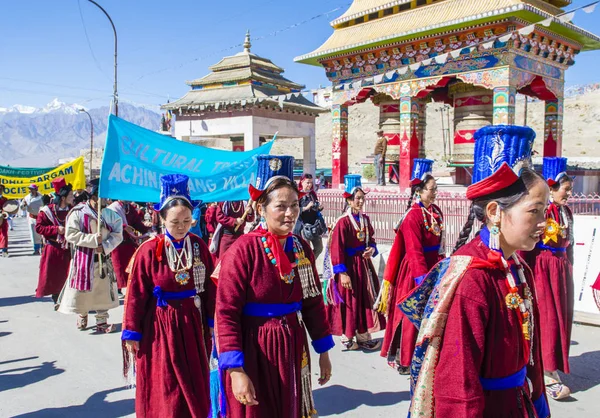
{"x": 69, "y": 199}
{"x": 562, "y": 195}
{"x": 178, "y": 221}
{"x": 429, "y": 192}
{"x": 282, "y": 211}
{"x": 307, "y": 184}
{"x": 523, "y": 224}
{"x": 358, "y": 201}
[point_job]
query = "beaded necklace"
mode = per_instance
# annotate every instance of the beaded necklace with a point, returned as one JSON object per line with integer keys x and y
{"x": 179, "y": 262}
{"x": 238, "y": 208}
{"x": 361, "y": 230}
{"x": 435, "y": 228}
{"x": 523, "y": 306}
{"x": 287, "y": 278}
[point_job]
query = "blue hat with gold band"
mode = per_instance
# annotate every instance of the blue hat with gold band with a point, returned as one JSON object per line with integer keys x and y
{"x": 174, "y": 186}
{"x": 554, "y": 169}
{"x": 352, "y": 183}
{"x": 269, "y": 168}
{"x": 421, "y": 167}
{"x": 498, "y": 144}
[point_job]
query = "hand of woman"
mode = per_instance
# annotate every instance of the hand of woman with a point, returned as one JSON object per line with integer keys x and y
{"x": 368, "y": 253}
{"x": 345, "y": 281}
{"x": 132, "y": 346}
{"x": 242, "y": 387}
{"x": 325, "y": 367}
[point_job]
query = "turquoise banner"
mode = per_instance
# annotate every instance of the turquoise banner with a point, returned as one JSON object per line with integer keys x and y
{"x": 135, "y": 157}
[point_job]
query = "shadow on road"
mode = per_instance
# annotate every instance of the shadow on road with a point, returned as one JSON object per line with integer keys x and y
{"x": 585, "y": 372}
{"x": 4, "y": 334}
{"x": 17, "y": 300}
{"x": 335, "y": 400}
{"x": 95, "y": 406}
{"x": 33, "y": 374}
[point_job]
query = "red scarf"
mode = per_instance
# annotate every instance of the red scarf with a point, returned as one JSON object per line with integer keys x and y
{"x": 283, "y": 262}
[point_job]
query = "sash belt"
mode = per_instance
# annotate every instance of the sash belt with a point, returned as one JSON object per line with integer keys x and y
{"x": 163, "y": 297}
{"x": 271, "y": 310}
{"x": 500, "y": 383}
{"x": 553, "y": 249}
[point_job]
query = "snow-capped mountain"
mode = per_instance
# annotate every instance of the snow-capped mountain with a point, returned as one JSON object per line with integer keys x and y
{"x": 31, "y": 137}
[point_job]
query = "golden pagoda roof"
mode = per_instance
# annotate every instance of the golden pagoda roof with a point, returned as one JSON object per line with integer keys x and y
{"x": 244, "y": 79}
{"x": 438, "y": 17}
{"x": 360, "y": 8}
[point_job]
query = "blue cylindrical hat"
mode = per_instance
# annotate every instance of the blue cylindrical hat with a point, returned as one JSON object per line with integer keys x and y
{"x": 554, "y": 168}
{"x": 498, "y": 144}
{"x": 421, "y": 167}
{"x": 352, "y": 182}
{"x": 173, "y": 186}
{"x": 270, "y": 167}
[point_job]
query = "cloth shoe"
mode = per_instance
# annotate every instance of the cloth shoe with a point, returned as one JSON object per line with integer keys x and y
{"x": 371, "y": 345}
{"x": 555, "y": 388}
{"x": 82, "y": 322}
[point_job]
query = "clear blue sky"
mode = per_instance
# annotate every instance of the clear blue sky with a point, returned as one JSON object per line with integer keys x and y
{"x": 162, "y": 44}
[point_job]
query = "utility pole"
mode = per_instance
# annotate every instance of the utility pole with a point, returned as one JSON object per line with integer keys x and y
{"x": 91, "y": 141}
{"x": 115, "y": 94}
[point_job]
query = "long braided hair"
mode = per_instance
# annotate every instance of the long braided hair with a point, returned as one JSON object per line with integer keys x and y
{"x": 479, "y": 205}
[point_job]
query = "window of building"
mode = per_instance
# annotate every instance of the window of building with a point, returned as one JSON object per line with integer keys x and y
{"x": 388, "y": 12}
{"x": 421, "y": 2}
{"x": 373, "y": 16}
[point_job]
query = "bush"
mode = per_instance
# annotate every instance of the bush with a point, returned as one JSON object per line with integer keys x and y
{"x": 369, "y": 171}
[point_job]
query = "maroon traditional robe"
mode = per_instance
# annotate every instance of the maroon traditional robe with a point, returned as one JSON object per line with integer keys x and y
{"x": 172, "y": 362}
{"x": 228, "y": 233}
{"x": 3, "y": 227}
{"x": 122, "y": 254}
{"x": 553, "y": 270}
{"x": 355, "y": 314}
{"x": 483, "y": 338}
{"x": 269, "y": 349}
{"x": 55, "y": 259}
{"x": 414, "y": 252}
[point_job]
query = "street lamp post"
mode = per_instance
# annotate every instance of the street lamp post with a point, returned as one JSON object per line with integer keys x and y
{"x": 115, "y": 95}
{"x": 91, "y": 141}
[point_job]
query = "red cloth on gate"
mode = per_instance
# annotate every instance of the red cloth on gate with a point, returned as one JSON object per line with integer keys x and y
{"x": 121, "y": 255}
{"x": 406, "y": 262}
{"x": 483, "y": 338}
{"x": 553, "y": 273}
{"x": 172, "y": 364}
{"x": 55, "y": 260}
{"x": 272, "y": 347}
{"x": 356, "y": 314}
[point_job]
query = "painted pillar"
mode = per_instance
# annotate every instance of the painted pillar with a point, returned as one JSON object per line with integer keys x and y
{"x": 389, "y": 123}
{"x": 339, "y": 144}
{"x": 411, "y": 136}
{"x": 553, "y": 128}
{"x": 309, "y": 154}
{"x": 504, "y": 105}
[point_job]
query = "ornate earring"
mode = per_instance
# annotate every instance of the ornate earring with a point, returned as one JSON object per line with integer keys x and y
{"x": 417, "y": 197}
{"x": 263, "y": 222}
{"x": 495, "y": 232}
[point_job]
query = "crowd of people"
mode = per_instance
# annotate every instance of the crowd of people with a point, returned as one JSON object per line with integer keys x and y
{"x": 222, "y": 298}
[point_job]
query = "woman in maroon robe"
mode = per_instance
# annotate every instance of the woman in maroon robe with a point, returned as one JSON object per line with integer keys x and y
{"x": 56, "y": 255}
{"x": 133, "y": 223}
{"x": 416, "y": 249}
{"x": 231, "y": 217}
{"x": 355, "y": 285}
{"x": 3, "y": 225}
{"x": 552, "y": 264}
{"x": 267, "y": 279}
{"x": 168, "y": 312}
{"x": 478, "y": 352}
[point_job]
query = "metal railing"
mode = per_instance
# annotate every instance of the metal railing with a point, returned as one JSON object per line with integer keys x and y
{"x": 386, "y": 209}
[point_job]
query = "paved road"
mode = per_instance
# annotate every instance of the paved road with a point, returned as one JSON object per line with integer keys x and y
{"x": 50, "y": 369}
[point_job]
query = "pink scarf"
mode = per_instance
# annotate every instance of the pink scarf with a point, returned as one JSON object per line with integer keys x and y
{"x": 83, "y": 259}
{"x": 55, "y": 222}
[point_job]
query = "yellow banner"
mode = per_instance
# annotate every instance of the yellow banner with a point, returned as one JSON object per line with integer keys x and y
{"x": 17, "y": 187}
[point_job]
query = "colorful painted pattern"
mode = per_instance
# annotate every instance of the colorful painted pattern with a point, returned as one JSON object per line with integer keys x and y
{"x": 553, "y": 128}
{"x": 504, "y": 105}
{"x": 339, "y": 143}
